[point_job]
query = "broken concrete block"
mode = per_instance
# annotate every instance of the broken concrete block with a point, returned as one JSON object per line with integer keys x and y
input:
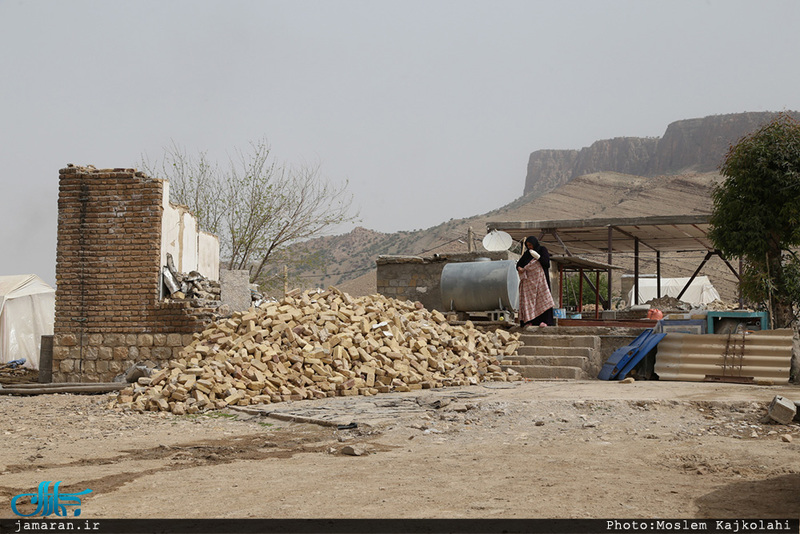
{"x": 782, "y": 410}
{"x": 351, "y": 450}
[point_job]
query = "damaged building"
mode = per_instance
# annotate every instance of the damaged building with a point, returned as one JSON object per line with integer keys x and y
{"x": 116, "y": 228}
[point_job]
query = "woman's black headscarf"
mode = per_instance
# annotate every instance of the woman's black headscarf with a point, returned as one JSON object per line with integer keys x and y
{"x": 525, "y": 259}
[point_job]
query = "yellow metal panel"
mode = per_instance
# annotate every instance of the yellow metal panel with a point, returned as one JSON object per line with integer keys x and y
{"x": 766, "y": 356}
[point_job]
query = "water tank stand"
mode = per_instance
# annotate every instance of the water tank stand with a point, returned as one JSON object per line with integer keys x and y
{"x": 496, "y": 316}
{"x": 501, "y": 315}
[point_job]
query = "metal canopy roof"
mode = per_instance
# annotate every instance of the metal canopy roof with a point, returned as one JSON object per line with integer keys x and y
{"x": 576, "y": 262}
{"x": 675, "y": 233}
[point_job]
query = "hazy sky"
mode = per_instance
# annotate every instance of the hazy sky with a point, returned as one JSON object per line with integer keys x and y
{"x": 429, "y": 108}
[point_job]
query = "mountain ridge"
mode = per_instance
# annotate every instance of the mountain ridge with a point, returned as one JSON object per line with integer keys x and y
{"x": 689, "y": 145}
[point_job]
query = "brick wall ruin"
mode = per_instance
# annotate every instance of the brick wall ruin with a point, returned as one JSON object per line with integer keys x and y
{"x": 108, "y": 262}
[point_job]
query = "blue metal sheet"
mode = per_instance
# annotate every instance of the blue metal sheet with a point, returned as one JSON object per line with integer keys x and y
{"x": 620, "y": 357}
{"x": 625, "y": 358}
{"x": 648, "y": 345}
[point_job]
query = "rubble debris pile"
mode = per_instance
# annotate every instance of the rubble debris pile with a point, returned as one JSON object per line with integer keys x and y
{"x": 719, "y": 305}
{"x": 320, "y": 344}
{"x": 668, "y": 303}
{"x": 13, "y": 372}
{"x": 192, "y": 286}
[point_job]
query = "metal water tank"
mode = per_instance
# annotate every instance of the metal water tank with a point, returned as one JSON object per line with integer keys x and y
{"x": 480, "y": 286}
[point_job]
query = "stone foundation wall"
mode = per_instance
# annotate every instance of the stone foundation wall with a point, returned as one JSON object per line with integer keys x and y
{"x": 101, "y": 357}
{"x": 108, "y": 263}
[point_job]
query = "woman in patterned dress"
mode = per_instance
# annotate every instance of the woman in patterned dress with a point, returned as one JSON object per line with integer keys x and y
{"x": 535, "y": 299}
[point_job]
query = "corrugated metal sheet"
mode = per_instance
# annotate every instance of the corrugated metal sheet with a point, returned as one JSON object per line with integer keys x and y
{"x": 766, "y": 356}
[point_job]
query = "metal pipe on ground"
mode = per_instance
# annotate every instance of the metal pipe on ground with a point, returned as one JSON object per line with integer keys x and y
{"x": 62, "y": 387}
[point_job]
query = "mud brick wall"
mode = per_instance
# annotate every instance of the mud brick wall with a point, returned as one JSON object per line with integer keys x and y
{"x": 418, "y": 279}
{"x": 108, "y": 312}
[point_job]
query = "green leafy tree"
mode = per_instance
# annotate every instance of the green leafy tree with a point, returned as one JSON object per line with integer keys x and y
{"x": 756, "y": 215}
{"x": 255, "y": 206}
{"x": 572, "y": 285}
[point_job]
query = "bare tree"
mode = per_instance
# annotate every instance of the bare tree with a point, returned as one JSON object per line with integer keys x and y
{"x": 193, "y": 183}
{"x": 256, "y": 207}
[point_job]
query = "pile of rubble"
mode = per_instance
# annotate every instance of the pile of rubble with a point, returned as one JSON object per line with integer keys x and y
{"x": 13, "y": 372}
{"x": 672, "y": 304}
{"x": 719, "y": 305}
{"x": 668, "y": 303}
{"x": 322, "y": 344}
{"x": 193, "y": 285}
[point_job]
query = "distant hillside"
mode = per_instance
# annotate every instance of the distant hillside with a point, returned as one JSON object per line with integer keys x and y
{"x": 352, "y": 256}
{"x": 622, "y": 177}
{"x": 692, "y": 145}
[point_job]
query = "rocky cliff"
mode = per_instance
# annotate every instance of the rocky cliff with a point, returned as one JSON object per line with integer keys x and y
{"x": 549, "y": 169}
{"x": 692, "y": 145}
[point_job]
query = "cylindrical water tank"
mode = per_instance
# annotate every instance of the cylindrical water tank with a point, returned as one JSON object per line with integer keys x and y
{"x": 480, "y": 286}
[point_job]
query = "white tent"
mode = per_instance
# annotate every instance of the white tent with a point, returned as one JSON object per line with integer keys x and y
{"x": 699, "y": 293}
{"x": 27, "y": 312}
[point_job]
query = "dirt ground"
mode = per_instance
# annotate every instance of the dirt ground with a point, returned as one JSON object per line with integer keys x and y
{"x": 536, "y": 449}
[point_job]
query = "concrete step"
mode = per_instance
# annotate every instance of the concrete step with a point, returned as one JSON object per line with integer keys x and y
{"x": 546, "y": 350}
{"x": 547, "y": 371}
{"x": 553, "y": 361}
{"x": 560, "y": 340}
{"x": 598, "y": 344}
{"x": 555, "y": 355}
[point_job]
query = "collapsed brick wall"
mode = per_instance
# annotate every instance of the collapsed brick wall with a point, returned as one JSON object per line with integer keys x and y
{"x": 108, "y": 312}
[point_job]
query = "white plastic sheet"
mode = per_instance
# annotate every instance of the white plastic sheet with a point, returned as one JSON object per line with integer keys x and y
{"x": 27, "y": 312}
{"x": 699, "y": 293}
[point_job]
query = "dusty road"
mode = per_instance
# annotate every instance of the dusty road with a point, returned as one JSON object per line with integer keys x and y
{"x": 542, "y": 449}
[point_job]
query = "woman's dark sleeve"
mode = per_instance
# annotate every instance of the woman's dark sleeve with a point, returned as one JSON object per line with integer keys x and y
{"x": 544, "y": 259}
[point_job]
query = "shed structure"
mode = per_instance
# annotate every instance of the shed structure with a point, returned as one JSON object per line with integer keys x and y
{"x": 603, "y": 237}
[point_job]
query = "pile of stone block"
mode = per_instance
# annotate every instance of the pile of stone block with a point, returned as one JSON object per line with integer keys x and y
{"x": 321, "y": 344}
